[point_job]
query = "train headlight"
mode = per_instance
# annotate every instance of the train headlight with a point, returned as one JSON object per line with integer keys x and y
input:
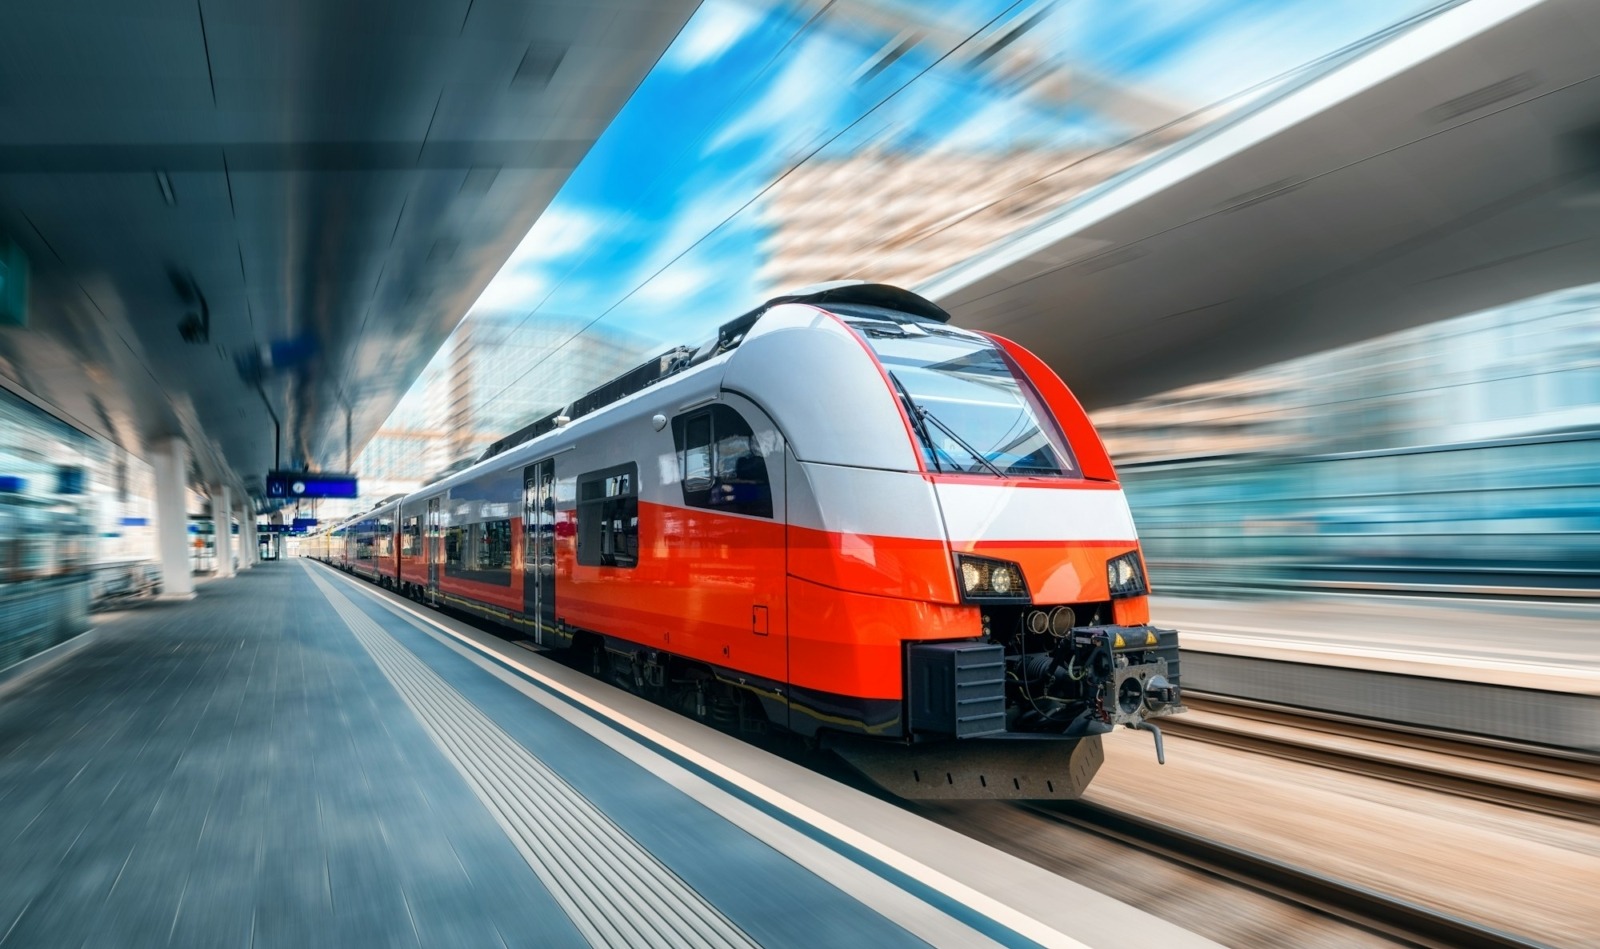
{"x": 990, "y": 580}
{"x": 1125, "y": 575}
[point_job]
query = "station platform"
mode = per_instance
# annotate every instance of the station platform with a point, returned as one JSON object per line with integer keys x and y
{"x": 1517, "y": 670}
{"x": 1538, "y": 645}
{"x": 295, "y": 758}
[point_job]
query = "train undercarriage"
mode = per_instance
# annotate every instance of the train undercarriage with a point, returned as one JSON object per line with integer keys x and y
{"x": 1016, "y": 716}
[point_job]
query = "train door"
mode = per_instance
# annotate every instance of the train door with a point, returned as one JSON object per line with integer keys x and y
{"x": 732, "y": 463}
{"x": 435, "y": 550}
{"x": 539, "y": 549}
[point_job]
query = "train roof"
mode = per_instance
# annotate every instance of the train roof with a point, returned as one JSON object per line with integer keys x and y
{"x": 729, "y": 336}
{"x": 679, "y": 360}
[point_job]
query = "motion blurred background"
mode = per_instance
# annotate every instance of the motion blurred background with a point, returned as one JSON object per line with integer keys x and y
{"x": 776, "y": 145}
{"x": 1323, "y": 272}
{"x": 779, "y": 146}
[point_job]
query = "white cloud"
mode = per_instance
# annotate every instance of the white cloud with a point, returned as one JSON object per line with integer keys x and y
{"x": 802, "y": 97}
{"x": 711, "y": 32}
{"x": 676, "y": 285}
{"x": 513, "y": 290}
{"x": 693, "y": 221}
{"x": 559, "y": 232}
{"x": 524, "y": 280}
{"x": 992, "y": 126}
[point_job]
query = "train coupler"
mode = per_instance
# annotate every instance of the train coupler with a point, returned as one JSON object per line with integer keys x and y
{"x": 1161, "y": 753}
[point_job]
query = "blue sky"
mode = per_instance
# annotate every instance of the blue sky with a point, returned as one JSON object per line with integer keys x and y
{"x": 658, "y": 231}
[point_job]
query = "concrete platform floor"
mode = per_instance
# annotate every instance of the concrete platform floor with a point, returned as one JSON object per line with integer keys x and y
{"x": 292, "y": 759}
{"x": 1522, "y": 644}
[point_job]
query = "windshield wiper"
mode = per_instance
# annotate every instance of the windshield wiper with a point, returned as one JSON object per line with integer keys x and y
{"x": 915, "y": 411}
{"x": 923, "y": 417}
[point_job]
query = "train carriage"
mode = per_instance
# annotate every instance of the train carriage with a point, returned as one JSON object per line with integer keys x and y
{"x": 844, "y": 518}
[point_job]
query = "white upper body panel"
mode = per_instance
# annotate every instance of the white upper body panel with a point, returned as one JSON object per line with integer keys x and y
{"x": 977, "y": 511}
{"x": 863, "y": 502}
{"x": 823, "y": 389}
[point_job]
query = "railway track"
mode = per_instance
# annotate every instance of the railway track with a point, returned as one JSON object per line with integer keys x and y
{"x": 1387, "y": 916}
{"x": 1547, "y": 781}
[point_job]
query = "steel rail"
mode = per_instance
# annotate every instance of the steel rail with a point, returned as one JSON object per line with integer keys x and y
{"x": 1554, "y": 801}
{"x": 1537, "y": 757}
{"x": 1359, "y": 906}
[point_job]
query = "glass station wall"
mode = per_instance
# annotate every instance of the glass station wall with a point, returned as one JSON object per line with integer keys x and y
{"x": 77, "y": 526}
{"x": 1461, "y": 457}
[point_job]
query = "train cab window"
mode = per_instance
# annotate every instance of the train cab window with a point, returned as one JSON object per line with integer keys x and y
{"x": 720, "y": 464}
{"x": 695, "y": 455}
{"x": 608, "y": 517}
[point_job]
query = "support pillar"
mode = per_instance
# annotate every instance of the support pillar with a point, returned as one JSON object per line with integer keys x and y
{"x": 170, "y": 463}
{"x": 222, "y": 516}
{"x": 254, "y": 546}
{"x": 247, "y": 536}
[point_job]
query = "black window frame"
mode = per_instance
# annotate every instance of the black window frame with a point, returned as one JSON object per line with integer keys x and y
{"x": 365, "y": 534}
{"x": 608, "y": 508}
{"x": 411, "y": 535}
{"x": 748, "y": 496}
{"x": 478, "y": 547}
{"x": 492, "y": 546}
{"x": 383, "y": 538}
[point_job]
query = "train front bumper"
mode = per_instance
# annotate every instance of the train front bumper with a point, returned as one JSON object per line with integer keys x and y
{"x": 1012, "y": 766}
{"x": 966, "y": 738}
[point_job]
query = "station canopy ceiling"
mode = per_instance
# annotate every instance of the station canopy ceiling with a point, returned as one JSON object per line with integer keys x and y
{"x": 1446, "y": 169}
{"x": 234, "y": 210}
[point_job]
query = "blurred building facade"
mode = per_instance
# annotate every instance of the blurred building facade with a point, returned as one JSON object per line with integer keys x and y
{"x": 507, "y": 369}
{"x": 903, "y": 217}
{"x": 486, "y": 383}
{"x": 1531, "y": 368}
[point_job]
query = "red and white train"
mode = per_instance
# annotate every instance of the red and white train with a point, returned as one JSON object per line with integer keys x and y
{"x": 843, "y": 517}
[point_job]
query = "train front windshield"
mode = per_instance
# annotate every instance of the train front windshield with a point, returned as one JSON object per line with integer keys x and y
{"x": 972, "y": 411}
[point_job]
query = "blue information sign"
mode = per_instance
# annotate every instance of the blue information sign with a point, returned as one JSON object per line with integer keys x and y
{"x": 310, "y": 484}
{"x": 304, "y": 523}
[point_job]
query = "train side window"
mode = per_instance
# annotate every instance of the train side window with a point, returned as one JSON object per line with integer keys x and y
{"x": 384, "y": 542}
{"x": 608, "y": 517}
{"x": 452, "y": 546}
{"x": 494, "y": 546}
{"x": 721, "y": 464}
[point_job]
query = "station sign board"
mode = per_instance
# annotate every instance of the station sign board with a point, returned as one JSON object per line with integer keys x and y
{"x": 310, "y": 484}
{"x": 275, "y": 529}
{"x": 304, "y": 523}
